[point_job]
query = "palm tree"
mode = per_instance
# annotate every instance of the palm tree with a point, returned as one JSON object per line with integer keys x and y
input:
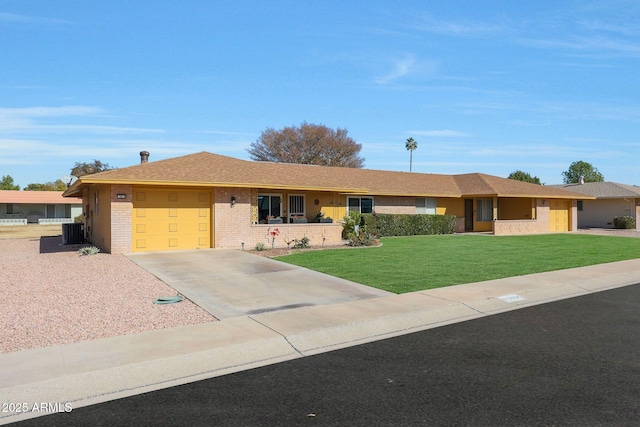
{"x": 411, "y": 145}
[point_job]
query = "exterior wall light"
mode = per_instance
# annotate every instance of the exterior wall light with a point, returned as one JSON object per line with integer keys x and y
{"x": 233, "y": 201}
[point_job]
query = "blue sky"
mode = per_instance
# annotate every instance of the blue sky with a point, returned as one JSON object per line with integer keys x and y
{"x": 492, "y": 86}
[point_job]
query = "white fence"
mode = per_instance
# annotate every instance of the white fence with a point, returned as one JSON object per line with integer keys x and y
{"x": 41, "y": 221}
{"x": 13, "y": 221}
{"x": 55, "y": 220}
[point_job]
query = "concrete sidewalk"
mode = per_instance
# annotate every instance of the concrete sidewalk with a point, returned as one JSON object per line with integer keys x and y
{"x": 96, "y": 371}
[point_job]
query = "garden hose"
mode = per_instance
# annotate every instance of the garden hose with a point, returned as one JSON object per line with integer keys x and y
{"x": 169, "y": 300}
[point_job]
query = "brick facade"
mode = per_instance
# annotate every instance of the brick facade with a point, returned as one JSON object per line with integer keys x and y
{"x": 121, "y": 218}
{"x": 395, "y": 205}
{"x": 535, "y": 226}
{"x": 319, "y": 234}
{"x": 236, "y": 226}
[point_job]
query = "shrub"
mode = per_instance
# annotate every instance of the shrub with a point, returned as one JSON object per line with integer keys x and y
{"x": 625, "y": 222}
{"x": 260, "y": 247}
{"x": 356, "y": 230}
{"x": 410, "y": 225}
{"x": 301, "y": 243}
{"x": 89, "y": 250}
{"x": 351, "y": 219}
{"x": 362, "y": 238}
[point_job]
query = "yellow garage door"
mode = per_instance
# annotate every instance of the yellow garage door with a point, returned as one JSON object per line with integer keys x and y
{"x": 171, "y": 219}
{"x": 559, "y": 215}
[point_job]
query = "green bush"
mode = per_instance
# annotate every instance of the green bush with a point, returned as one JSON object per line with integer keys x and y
{"x": 351, "y": 219}
{"x": 89, "y": 250}
{"x": 625, "y": 222}
{"x": 362, "y": 238}
{"x": 410, "y": 225}
{"x": 260, "y": 247}
{"x": 356, "y": 230}
{"x": 301, "y": 243}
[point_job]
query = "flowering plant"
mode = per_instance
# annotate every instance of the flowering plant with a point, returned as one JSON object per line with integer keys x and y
{"x": 273, "y": 233}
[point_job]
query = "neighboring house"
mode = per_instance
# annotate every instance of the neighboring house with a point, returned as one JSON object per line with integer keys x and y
{"x": 39, "y": 207}
{"x": 611, "y": 200}
{"x": 205, "y": 200}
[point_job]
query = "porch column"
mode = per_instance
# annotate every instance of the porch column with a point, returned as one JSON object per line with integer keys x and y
{"x": 495, "y": 208}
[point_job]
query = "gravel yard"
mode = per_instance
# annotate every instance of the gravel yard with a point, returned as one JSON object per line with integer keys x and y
{"x": 52, "y": 295}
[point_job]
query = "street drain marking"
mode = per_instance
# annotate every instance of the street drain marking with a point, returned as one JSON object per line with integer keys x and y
{"x": 511, "y": 298}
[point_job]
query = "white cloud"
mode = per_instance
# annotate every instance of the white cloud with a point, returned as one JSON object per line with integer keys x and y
{"x": 14, "y": 18}
{"x": 599, "y": 44}
{"x": 28, "y": 121}
{"x": 93, "y": 129}
{"x": 444, "y": 133}
{"x": 67, "y": 110}
{"x": 401, "y": 68}
{"x": 461, "y": 28}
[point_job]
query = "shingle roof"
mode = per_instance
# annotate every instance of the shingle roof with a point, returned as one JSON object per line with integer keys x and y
{"x": 603, "y": 190}
{"x": 209, "y": 169}
{"x": 36, "y": 197}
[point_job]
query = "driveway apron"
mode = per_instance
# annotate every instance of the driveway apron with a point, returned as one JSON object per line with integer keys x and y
{"x": 229, "y": 283}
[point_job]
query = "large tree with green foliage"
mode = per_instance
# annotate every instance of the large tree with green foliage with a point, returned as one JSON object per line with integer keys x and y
{"x": 581, "y": 169}
{"x": 307, "y": 144}
{"x": 81, "y": 169}
{"x": 7, "y": 183}
{"x": 47, "y": 186}
{"x": 524, "y": 176}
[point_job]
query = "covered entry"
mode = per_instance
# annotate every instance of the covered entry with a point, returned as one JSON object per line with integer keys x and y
{"x": 167, "y": 219}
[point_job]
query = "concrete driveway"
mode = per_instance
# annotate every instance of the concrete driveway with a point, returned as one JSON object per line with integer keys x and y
{"x": 229, "y": 283}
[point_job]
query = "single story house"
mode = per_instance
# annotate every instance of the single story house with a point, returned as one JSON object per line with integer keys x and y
{"x": 205, "y": 200}
{"x": 609, "y": 200}
{"x": 38, "y": 207}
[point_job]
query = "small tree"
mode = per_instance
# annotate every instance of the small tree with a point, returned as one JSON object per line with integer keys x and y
{"x": 411, "y": 145}
{"x": 7, "y": 183}
{"x": 307, "y": 144}
{"x": 81, "y": 169}
{"x": 524, "y": 176}
{"x": 581, "y": 169}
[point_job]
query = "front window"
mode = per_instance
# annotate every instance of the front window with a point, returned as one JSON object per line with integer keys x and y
{"x": 426, "y": 206}
{"x": 484, "y": 209}
{"x": 360, "y": 204}
{"x": 296, "y": 205}
{"x": 269, "y": 205}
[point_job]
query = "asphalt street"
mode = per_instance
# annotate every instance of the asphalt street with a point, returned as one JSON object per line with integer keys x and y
{"x": 573, "y": 362}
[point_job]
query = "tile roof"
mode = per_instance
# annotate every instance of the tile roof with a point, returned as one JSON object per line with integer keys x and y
{"x": 209, "y": 169}
{"x": 603, "y": 190}
{"x": 37, "y": 197}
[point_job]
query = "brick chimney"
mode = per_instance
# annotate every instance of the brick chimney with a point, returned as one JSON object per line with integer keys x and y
{"x": 144, "y": 157}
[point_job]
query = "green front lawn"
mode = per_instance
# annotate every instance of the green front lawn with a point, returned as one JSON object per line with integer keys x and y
{"x": 407, "y": 264}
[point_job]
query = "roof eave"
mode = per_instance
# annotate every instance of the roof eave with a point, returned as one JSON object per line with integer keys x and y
{"x": 78, "y": 186}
